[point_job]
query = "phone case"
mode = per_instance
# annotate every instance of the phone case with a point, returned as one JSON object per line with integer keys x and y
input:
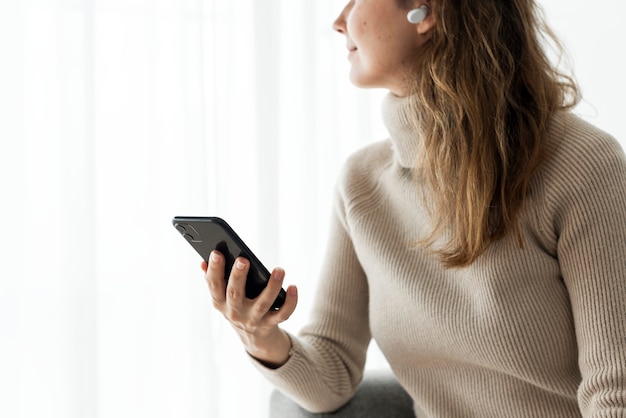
{"x": 206, "y": 234}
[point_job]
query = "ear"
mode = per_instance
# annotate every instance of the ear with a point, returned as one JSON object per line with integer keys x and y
{"x": 426, "y": 25}
{"x": 422, "y": 17}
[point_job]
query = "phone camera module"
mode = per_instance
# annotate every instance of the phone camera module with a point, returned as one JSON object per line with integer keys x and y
{"x": 189, "y": 233}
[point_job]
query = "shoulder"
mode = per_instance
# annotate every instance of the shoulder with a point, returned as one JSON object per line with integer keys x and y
{"x": 374, "y": 155}
{"x": 363, "y": 167}
{"x": 584, "y": 167}
{"x": 576, "y": 148}
{"x": 362, "y": 182}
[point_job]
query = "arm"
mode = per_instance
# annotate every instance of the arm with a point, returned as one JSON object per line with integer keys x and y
{"x": 328, "y": 356}
{"x": 592, "y": 255}
{"x": 322, "y": 368}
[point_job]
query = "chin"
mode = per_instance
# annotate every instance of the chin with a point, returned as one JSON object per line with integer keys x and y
{"x": 362, "y": 82}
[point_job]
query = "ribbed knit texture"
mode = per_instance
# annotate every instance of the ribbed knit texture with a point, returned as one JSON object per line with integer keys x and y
{"x": 532, "y": 332}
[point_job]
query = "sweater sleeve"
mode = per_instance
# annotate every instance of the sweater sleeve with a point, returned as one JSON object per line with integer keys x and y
{"x": 591, "y": 223}
{"x": 328, "y": 355}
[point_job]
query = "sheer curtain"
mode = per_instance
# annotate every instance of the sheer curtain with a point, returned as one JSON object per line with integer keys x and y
{"x": 115, "y": 116}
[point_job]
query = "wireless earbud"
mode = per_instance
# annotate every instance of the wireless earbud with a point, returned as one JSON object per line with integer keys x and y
{"x": 415, "y": 16}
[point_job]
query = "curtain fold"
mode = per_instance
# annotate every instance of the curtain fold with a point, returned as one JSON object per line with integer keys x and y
{"x": 115, "y": 116}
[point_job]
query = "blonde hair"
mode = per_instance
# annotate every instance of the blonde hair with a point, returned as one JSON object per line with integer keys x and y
{"x": 484, "y": 93}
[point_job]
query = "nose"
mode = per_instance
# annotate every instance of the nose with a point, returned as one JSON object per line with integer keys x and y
{"x": 340, "y": 23}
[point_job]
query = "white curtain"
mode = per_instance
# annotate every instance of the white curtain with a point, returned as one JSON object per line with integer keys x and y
{"x": 115, "y": 116}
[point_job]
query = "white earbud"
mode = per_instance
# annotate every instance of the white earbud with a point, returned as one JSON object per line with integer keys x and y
{"x": 415, "y": 16}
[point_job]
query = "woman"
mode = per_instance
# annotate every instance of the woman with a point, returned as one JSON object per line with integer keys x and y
{"x": 482, "y": 245}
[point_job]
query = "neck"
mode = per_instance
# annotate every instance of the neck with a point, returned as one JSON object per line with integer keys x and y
{"x": 399, "y": 119}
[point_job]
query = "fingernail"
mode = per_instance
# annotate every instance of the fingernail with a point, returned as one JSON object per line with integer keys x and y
{"x": 240, "y": 265}
{"x": 215, "y": 257}
{"x": 278, "y": 274}
{"x": 293, "y": 291}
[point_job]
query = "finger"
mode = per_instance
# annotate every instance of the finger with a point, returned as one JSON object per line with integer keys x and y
{"x": 204, "y": 266}
{"x": 215, "y": 279}
{"x": 266, "y": 298}
{"x": 285, "y": 311}
{"x": 236, "y": 288}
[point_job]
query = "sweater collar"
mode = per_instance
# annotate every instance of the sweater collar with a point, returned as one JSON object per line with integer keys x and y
{"x": 405, "y": 139}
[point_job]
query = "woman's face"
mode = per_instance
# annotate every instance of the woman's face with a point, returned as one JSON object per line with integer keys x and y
{"x": 381, "y": 42}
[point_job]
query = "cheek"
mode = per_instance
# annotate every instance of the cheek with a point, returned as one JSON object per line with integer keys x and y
{"x": 354, "y": 29}
{"x": 358, "y": 24}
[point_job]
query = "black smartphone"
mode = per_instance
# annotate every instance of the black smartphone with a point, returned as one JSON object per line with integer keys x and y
{"x": 206, "y": 234}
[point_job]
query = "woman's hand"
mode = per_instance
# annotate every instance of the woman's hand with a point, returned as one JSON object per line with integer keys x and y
{"x": 253, "y": 320}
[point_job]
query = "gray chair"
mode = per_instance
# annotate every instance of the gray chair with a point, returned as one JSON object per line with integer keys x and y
{"x": 379, "y": 396}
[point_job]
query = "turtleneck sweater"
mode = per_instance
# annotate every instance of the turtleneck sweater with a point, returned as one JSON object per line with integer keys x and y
{"x": 531, "y": 331}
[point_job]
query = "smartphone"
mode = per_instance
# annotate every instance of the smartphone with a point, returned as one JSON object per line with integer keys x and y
{"x": 206, "y": 234}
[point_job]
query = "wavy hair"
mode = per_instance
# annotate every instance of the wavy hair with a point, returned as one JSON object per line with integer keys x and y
{"x": 484, "y": 94}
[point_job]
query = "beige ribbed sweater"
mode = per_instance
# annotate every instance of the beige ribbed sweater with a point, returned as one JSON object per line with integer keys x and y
{"x": 533, "y": 332}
